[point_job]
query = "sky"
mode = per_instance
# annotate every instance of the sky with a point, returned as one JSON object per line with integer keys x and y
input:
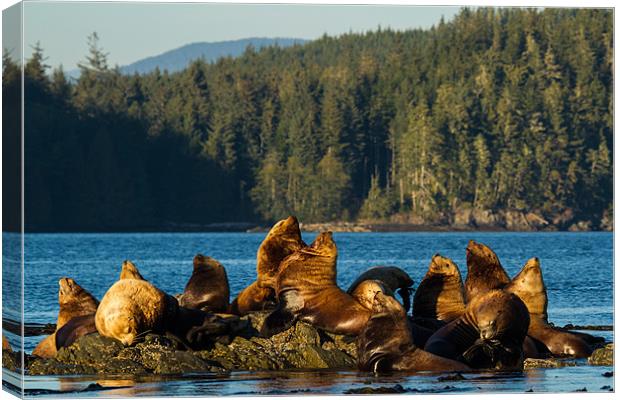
{"x": 132, "y": 31}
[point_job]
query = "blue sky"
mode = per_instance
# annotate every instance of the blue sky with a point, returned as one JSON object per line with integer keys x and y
{"x": 132, "y": 31}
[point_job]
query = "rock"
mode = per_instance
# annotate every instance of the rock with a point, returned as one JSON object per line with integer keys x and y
{"x": 536, "y": 221}
{"x": 563, "y": 219}
{"x": 581, "y": 226}
{"x": 607, "y": 222}
{"x": 602, "y": 356}
{"x": 516, "y": 221}
{"x": 463, "y": 217}
{"x": 379, "y": 390}
{"x": 486, "y": 218}
{"x": 301, "y": 346}
{"x": 11, "y": 360}
{"x": 531, "y": 363}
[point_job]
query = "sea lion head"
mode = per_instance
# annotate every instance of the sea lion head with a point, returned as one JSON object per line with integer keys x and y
{"x": 384, "y": 304}
{"x": 530, "y": 277}
{"x": 324, "y": 245}
{"x": 367, "y": 290}
{"x": 130, "y": 271}
{"x": 288, "y": 228}
{"x": 205, "y": 262}
{"x": 283, "y": 239}
{"x": 481, "y": 255}
{"x": 443, "y": 266}
{"x": 484, "y": 271}
{"x": 122, "y": 322}
{"x": 501, "y": 314}
{"x": 70, "y": 292}
{"x": 529, "y": 285}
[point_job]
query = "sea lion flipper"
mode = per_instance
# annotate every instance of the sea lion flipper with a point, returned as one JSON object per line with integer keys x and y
{"x": 285, "y": 314}
{"x": 74, "y": 329}
{"x": 405, "y": 294}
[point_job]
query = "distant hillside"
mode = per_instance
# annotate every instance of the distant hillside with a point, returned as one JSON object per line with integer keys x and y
{"x": 178, "y": 59}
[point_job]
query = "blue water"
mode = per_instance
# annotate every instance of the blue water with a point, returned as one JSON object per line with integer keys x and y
{"x": 577, "y": 267}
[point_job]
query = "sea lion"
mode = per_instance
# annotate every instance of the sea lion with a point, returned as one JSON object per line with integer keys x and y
{"x": 5, "y": 344}
{"x": 440, "y": 294}
{"x": 484, "y": 271}
{"x": 283, "y": 239}
{"x": 130, "y": 271}
{"x": 253, "y": 298}
{"x": 529, "y": 285}
{"x": 489, "y": 334}
{"x": 131, "y": 308}
{"x": 306, "y": 290}
{"x": 364, "y": 292}
{"x": 207, "y": 288}
{"x": 393, "y": 278}
{"x": 74, "y": 301}
{"x": 386, "y": 343}
{"x": 74, "y": 329}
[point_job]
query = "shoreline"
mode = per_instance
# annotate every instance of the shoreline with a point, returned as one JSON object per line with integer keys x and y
{"x": 349, "y": 227}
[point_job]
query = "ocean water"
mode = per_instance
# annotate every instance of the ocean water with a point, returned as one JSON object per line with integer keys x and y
{"x": 577, "y": 269}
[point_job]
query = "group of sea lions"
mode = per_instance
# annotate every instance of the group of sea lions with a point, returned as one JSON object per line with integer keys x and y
{"x": 488, "y": 322}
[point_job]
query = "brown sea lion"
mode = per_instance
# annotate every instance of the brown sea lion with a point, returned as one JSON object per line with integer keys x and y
{"x": 253, "y": 298}
{"x": 131, "y": 308}
{"x": 74, "y": 301}
{"x": 484, "y": 271}
{"x": 393, "y": 278}
{"x": 386, "y": 343}
{"x": 365, "y": 291}
{"x": 529, "y": 285}
{"x": 207, "y": 288}
{"x": 440, "y": 294}
{"x": 130, "y": 271}
{"x": 489, "y": 334}
{"x": 283, "y": 239}
{"x": 306, "y": 290}
{"x": 5, "y": 344}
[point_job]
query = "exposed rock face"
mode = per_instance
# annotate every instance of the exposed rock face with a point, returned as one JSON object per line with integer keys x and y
{"x": 301, "y": 346}
{"x": 486, "y": 218}
{"x": 603, "y": 356}
{"x": 516, "y": 221}
{"x": 531, "y": 363}
{"x": 581, "y": 226}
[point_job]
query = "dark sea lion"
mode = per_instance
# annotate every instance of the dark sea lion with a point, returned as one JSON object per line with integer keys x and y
{"x": 283, "y": 239}
{"x": 131, "y": 308}
{"x": 529, "y": 285}
{"x": 130, "y": 271}
{"x": 489, "y": 334}
{"x": 74, "y": 329}
{"x": 386, "y": 343}
{"x": 484, "y": 271}
{"x": 440, "y": 294}
{"x": 207, "y": 288}
{"x": 306, "y": 290}
{"x": 393, "y": 278}
{"x": 74, "y": 301}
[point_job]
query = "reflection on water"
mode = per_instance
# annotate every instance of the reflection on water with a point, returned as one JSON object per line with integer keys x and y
{"x": 565, "y": 379}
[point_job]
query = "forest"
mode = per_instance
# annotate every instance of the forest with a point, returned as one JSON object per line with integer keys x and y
{"x": 497, "y": 109}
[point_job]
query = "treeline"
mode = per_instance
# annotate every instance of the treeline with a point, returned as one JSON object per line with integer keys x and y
{"x": 499, "y": 109}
